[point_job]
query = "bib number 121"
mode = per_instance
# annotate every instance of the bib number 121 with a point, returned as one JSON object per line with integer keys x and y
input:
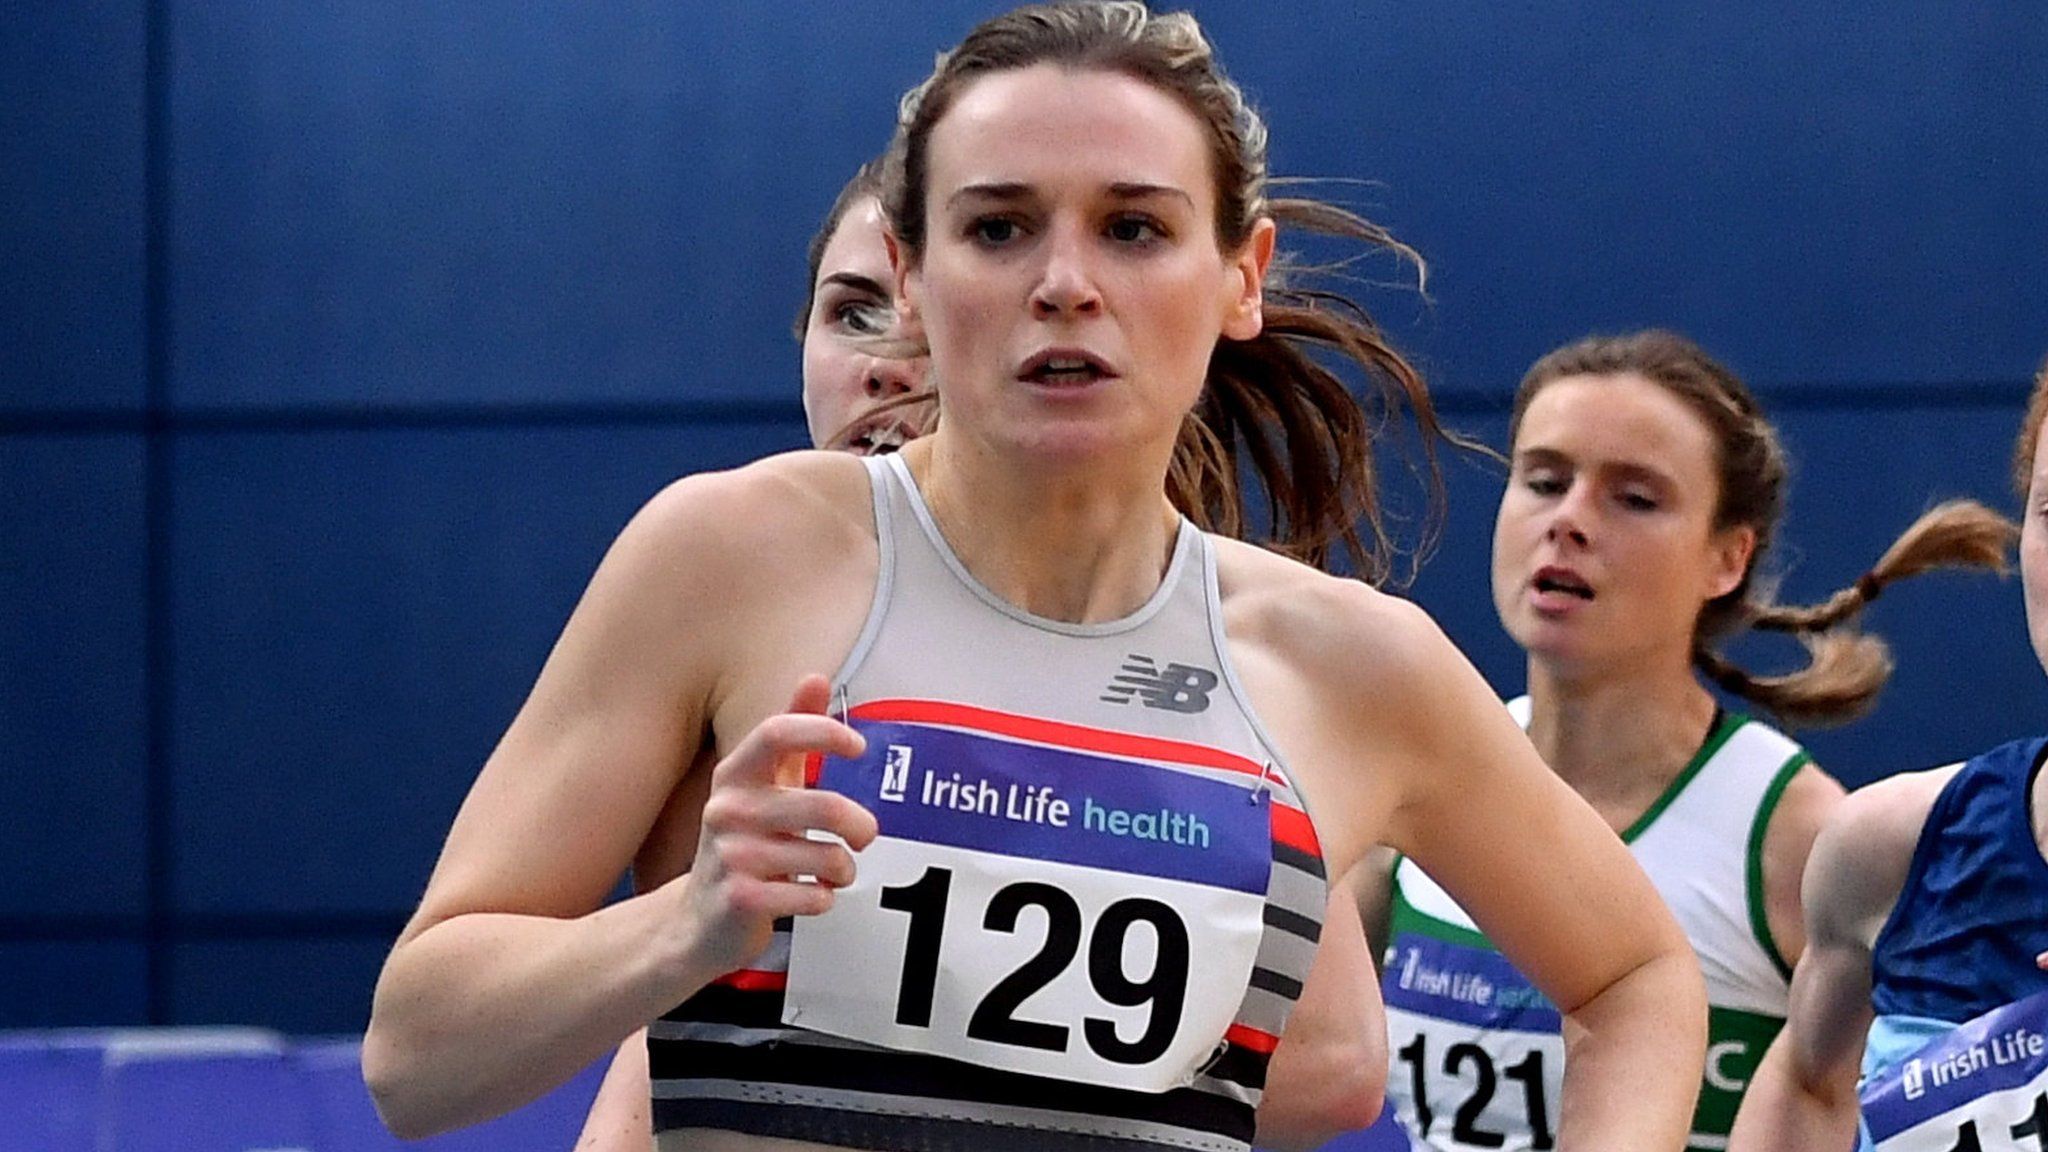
{"x": 1465, "y": 1127}
{"x": 2030, "y": 1132}
{"x": 996, "y": 1018}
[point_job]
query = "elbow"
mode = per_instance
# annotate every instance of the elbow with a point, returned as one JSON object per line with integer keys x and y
{"x": 1307, "y": 1110}
{"x": 1663, "y": 993}
{"x": 384, "y": 1076}
{"x": 1690, "y": 982}
{"x": 397, "y": 1089}
{"x": 1306, "y": 1132}
{"x": 1360, "y": 1107}
{"x": 1672, "y": 974}
{"x": 1676, "y": 984}
{"x": 1361, "y": 1092}
{"x": 407, "y": 1084}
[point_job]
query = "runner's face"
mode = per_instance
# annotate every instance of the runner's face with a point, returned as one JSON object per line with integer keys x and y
{"x": 1604, "y": 550}
{"x": 2034, "y": 551}
{"x": 1071, "y": 282}
{"x": 844, "y": 382}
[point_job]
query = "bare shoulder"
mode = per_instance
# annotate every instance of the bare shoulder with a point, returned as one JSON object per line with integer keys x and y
{"x": 762, "y": 529}
{"x": 1864, "y": 851}
{"x": 1810, "y": 798}
{"x": 796, "y": 499}
{"x": 1326, "y": 624}
{"x": 711, "y": 556}
{"x": 1370, "y": 701}
{"x": 1882, "y": 820}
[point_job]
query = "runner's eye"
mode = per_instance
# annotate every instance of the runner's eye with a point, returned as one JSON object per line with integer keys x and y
{"x": 863, "y": 317}
{"x": 993, "y": 231}
{"x": 1136, "y": 230}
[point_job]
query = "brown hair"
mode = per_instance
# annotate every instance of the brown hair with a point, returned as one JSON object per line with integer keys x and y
{"x": 2030, "y": 432}
{"x": 1268, "y": 401}
{"x": 1847, "y": 668}
{"x": 866, "y": 182}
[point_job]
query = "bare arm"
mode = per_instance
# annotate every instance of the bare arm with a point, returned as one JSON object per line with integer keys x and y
{"x": 510, "y": 977}
{"x": 1371, "y": 886}
{"x": 1803, "y": 1095}
{"x": 621, "y": 1118}
{"x": 1555, "y": 889}
{"x": 1328, "y": 1076}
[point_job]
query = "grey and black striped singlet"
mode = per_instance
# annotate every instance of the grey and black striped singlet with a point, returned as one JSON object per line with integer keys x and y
{"x": 1093, "y": 902}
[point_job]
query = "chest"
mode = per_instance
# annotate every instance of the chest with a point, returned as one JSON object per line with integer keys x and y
{"x": 1624, "y": 807}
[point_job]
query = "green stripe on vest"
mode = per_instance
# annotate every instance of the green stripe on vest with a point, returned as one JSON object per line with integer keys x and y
{"x": 1735, "y": 1046}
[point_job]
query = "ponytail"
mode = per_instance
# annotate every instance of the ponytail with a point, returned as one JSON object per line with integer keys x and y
{"x": 1847, "y": 669}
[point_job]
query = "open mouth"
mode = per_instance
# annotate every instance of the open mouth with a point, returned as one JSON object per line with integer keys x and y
{"x": 879, "y": 439}
{"x": 1563, "y": 581}
{"x": 1064, "y": 369}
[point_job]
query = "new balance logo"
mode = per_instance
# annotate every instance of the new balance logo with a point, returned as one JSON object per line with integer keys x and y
{"x": 1176, "y": 687}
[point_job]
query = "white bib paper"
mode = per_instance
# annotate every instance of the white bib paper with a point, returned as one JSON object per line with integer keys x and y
{"x": 1980, "y": 1088}
{"x": 1037, "y": 906}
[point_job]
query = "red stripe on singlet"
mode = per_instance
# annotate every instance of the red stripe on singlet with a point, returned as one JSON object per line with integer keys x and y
{"x": 1245, "y": 1036}
{"x": 1291, "y": 826}
{"x": 754, "y": 980}
{"x": 1061, "y": 733}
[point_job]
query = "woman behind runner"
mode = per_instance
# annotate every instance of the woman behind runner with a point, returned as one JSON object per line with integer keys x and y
{"x": 1927, "y": 919}
{"x": 853, "y": 398}
{"x": 1095, "y": 761}
{"x": 1645, "y": 489}
{"x": 854, "y": 401}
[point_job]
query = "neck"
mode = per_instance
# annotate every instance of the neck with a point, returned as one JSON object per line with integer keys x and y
{"x": 1618, "y": 733}
{"x": 1077, "y": 545}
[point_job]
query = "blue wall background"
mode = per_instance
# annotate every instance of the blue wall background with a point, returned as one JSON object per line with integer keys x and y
{"x": 336, "y": 341}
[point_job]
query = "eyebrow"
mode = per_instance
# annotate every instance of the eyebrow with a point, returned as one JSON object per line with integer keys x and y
{"x": 1010, "y": 191}
{"x": 855, "y": 281}
{"x": 1541, "y": 457}
{"x": 1134, "y": 191}
{"x": 1004, "y": 191}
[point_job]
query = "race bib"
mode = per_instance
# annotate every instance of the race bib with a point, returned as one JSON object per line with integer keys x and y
{"x": 1982, "y": 1087}
{"x": 1038, "y": 901}
{"x": 1478, "y": 1053}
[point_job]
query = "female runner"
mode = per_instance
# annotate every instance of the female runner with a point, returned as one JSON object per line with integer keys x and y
{"x": 1927, "y": 920}
{"x": 1645, "y": 489}
{"x": 1013, "y": 789}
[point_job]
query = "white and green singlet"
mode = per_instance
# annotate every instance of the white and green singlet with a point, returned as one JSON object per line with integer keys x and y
{"x": 1478, "y": 1052}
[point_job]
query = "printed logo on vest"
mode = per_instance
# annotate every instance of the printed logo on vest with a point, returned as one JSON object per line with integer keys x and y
{"x": 1915, "y": 1080}
{"x": 1175, "y": 688}
{"x": 895, "y": 772}
{"x": 1967, "y": 1088}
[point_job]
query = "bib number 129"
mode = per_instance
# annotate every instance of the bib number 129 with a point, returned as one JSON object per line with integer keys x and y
{"x": 996, "y": 1018}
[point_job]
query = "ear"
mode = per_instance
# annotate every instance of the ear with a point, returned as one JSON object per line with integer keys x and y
{"x": 1730, "y": 551}
{"x": 1244, "y": 315}
{"x": 900, "y": 267}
